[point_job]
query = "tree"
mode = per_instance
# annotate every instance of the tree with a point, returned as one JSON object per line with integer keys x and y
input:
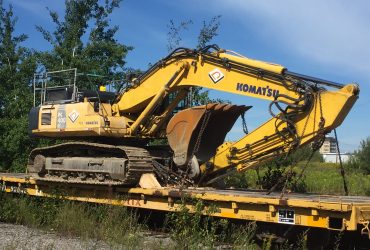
{"x": 101, "y": 55}
{"x": 207, "y": 33}
{"x": 17, "y": 65}
{"x": 361, "y": 157}
{"x": 173, "y": 34}
{"x": 98, "y": 54}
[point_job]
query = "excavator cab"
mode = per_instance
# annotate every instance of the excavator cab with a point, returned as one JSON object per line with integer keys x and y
{"x": 59, "y": 105}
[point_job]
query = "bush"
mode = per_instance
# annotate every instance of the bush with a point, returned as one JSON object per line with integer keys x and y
{"x": 195, "y": 231}
{"x": 361, "y": 157}
{"x": 278, "y": 178}
{"x": 237, "y": 180}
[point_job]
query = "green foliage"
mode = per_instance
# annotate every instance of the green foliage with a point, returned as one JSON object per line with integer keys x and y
{"x": 208, "y": 31}
{"x": 197, "y": 96}
{"x": 278, "y": 178}
{"x": 361, "y": 157}
{"x": 112, "y": 224}
{"x": 120, "y": 227}
{"x": 173, "y": 34}
{"x": 237, "y": 180}
{"x": 303, "y": 154}
{"x": 115, "y": 225}
{"x": 17, "y": 65}
{"x": 325, "y": 178}
{"x": 17, "y": 211}
{"x": 302, "y": 241}
{"x": 279, "y": 173}
{"x": 193, "y": 230}
{"x": 158, "y": 142}
{"x": 319, "y": 177}
{"x": 100, "y": 55}
{"x": 15, "y": 143}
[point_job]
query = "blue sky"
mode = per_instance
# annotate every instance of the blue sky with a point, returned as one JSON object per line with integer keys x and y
{"x": 326, "y": 39}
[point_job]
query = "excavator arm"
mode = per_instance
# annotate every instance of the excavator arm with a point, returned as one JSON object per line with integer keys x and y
{"x": 302, "y": 109}
{"x": 283, "y": 133}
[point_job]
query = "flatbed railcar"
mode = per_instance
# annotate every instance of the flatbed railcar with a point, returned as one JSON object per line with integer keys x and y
{"x": 331, "y": 212}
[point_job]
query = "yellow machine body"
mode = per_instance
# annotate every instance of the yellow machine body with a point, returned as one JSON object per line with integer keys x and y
{"x": 305, "y": 110}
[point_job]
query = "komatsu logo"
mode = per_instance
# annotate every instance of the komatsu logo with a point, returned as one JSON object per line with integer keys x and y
{"x": 264, "y": 91}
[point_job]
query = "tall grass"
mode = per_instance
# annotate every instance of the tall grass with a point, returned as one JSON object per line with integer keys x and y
{"x": 122, "y": 228}
{"x": 322, "y": 178}
{"x": 325, "y": 178}
{"x": 114, "y": 225}
{"x": 196, "y": 231}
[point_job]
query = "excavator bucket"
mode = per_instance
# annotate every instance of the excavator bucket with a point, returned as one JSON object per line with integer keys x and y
{"x": 200, "y": 130}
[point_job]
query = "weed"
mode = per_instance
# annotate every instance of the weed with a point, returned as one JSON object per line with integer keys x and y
{"x": 337, "y": 241}
{"x": 193, "y": 230}
{"x": 114, "y": 225}
{"x": 18, "y": 210}
{"x": 120, "y": 226}
{"x": 267, "y": 243}
{"x": 75, "y": 219}
{"x": 242, "y": 237}
{"x": 302, "y": 241}
{"x": 322, "y": 178}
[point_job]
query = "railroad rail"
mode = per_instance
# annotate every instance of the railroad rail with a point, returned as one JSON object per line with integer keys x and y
{"x": 341, "y": 213}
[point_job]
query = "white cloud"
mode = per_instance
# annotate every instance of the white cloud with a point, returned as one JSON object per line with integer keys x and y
{"x": 328, "y": 32}
{"x": 37, "y": 7}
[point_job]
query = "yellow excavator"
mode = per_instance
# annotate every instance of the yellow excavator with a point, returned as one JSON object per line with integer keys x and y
{"x": 114, "y": 130}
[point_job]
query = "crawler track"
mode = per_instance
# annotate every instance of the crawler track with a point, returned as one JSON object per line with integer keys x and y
{"x": 135, "y": 162}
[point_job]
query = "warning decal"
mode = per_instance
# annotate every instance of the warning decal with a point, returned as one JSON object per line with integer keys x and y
{"x": 216, "y": 75}
{"x": 73, "y": 115}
